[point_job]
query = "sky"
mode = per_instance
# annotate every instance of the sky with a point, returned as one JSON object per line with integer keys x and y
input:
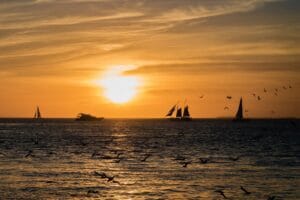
{"x": 58, "y": 53}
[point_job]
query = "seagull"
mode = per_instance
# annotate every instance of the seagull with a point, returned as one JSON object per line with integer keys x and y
{"x": 229, "y": 97}
{"x": 245, "y": 191}
{"x": 185, "y": 164}
{"x": 119, "y": 154}
{"x": 265, "y": 90}
{"x": 221, "y": 193}
{"x": 226, "y": 108}
{"x": 146, "y": 157}
{"x": 101, "y": 174}
{"x": 118, "y": 160}
{"x": 92, "y": 192}
{"x": 201, "y": 97}
{"x": 94, "y": 154}
{"x": 258, "y": 98}
{"x": 235, "y": 158}
{"x": 204, "y": 160}
{"x": 28, "y": 154}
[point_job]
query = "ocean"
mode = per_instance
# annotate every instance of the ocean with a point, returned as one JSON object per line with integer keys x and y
{"x": 149, "y": 159}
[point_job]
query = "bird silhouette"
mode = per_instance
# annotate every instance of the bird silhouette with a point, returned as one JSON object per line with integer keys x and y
{"x": 28, "y": 154}
{"x": 226, "y": 108}
{"x": 290, "y": 86}
{"x": 258, "y": 98}
{"x": 146, "y": 157}
{"x": 204, "y": 160}
{"x": 265, "y": 90}
{"x": 234, "y": 158}
{"x": 253, "y": 94}
{"x": 245, "y": 191}
{"x": 221, "y": 192}
{"x": 284, "y": 87}
{"x": 185, "y": 164}
{"x": 229, "y": 97}
{"x": 201, "y": 97}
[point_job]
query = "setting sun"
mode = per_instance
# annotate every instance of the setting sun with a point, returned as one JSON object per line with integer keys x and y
{"x": 119, "y": 88}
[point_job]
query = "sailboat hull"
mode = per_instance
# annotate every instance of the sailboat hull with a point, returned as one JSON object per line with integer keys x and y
{"x": 180, "y": 119}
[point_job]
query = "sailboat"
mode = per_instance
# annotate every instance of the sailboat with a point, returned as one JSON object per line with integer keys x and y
{"x": 239, "y": 114}
{"x": 185, "y": 116}
{"x": 37, "y": 114}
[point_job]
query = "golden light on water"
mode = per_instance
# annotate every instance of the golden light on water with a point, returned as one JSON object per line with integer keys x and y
{"x": 119, "y": 88}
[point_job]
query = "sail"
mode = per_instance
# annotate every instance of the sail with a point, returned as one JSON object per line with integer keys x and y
{"x": 179, "y": 113}
{"x": 37, "y": 114}
{"x": 171, "y": 111}
{"x": 239, "y": 114}
{"x": 186, "y": 112}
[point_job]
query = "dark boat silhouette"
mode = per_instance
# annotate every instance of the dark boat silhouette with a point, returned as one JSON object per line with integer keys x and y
{"x": 240, "y": 113}
{"x": 87, "y": 117}
{"x": 185, "y": 116}
{"x": 37, "y": 114}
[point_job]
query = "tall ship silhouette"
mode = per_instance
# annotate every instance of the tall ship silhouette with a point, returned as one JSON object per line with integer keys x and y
{"x": 179, "y": 115}
{"x": 37, "y": 114}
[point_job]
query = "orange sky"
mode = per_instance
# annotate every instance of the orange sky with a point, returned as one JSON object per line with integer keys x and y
{"x": 55, "y": 53}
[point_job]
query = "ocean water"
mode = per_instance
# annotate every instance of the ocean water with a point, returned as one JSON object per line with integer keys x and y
{"x": 63, "y": 159}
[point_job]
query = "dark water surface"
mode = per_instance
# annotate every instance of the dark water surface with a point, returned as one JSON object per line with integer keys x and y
{"x": 54, "y": 159}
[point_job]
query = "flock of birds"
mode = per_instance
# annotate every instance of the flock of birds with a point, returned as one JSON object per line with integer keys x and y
{"x": 257, "y": 96}
{"x": 118, "y": 155}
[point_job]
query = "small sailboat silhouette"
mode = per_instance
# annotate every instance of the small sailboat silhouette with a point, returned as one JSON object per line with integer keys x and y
{"x": 180, "y": 116}
{"x": 37, "y": 114}
{"x": 239, "y": 114}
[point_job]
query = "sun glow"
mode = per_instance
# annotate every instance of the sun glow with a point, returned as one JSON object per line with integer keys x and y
{"x": 119, "y": 88}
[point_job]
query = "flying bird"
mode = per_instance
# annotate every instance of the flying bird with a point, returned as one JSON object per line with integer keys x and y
{"x": 146, "y": 157}
{"x": 253, "y": 94}
{"x": 229, "y": 97}
{"x": 258, "y": 98}
{"x": 201, "y": 97}
{"x": 185, "y": 164}
{"x": 246, "y": 111}
{"x": 245, "y": 191}
{"x": 234, "y": 158}
{"x": 204, "y": 160}
{"x": 221, "y": 193}
{"x": 28, "y": 154}
{"x": 226, "y": 108}
{"x": 276, "y": 89}
{"x": 290, "y": 86}
{"x": 265, "y": 90}
{"x": 284, "y": 87}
